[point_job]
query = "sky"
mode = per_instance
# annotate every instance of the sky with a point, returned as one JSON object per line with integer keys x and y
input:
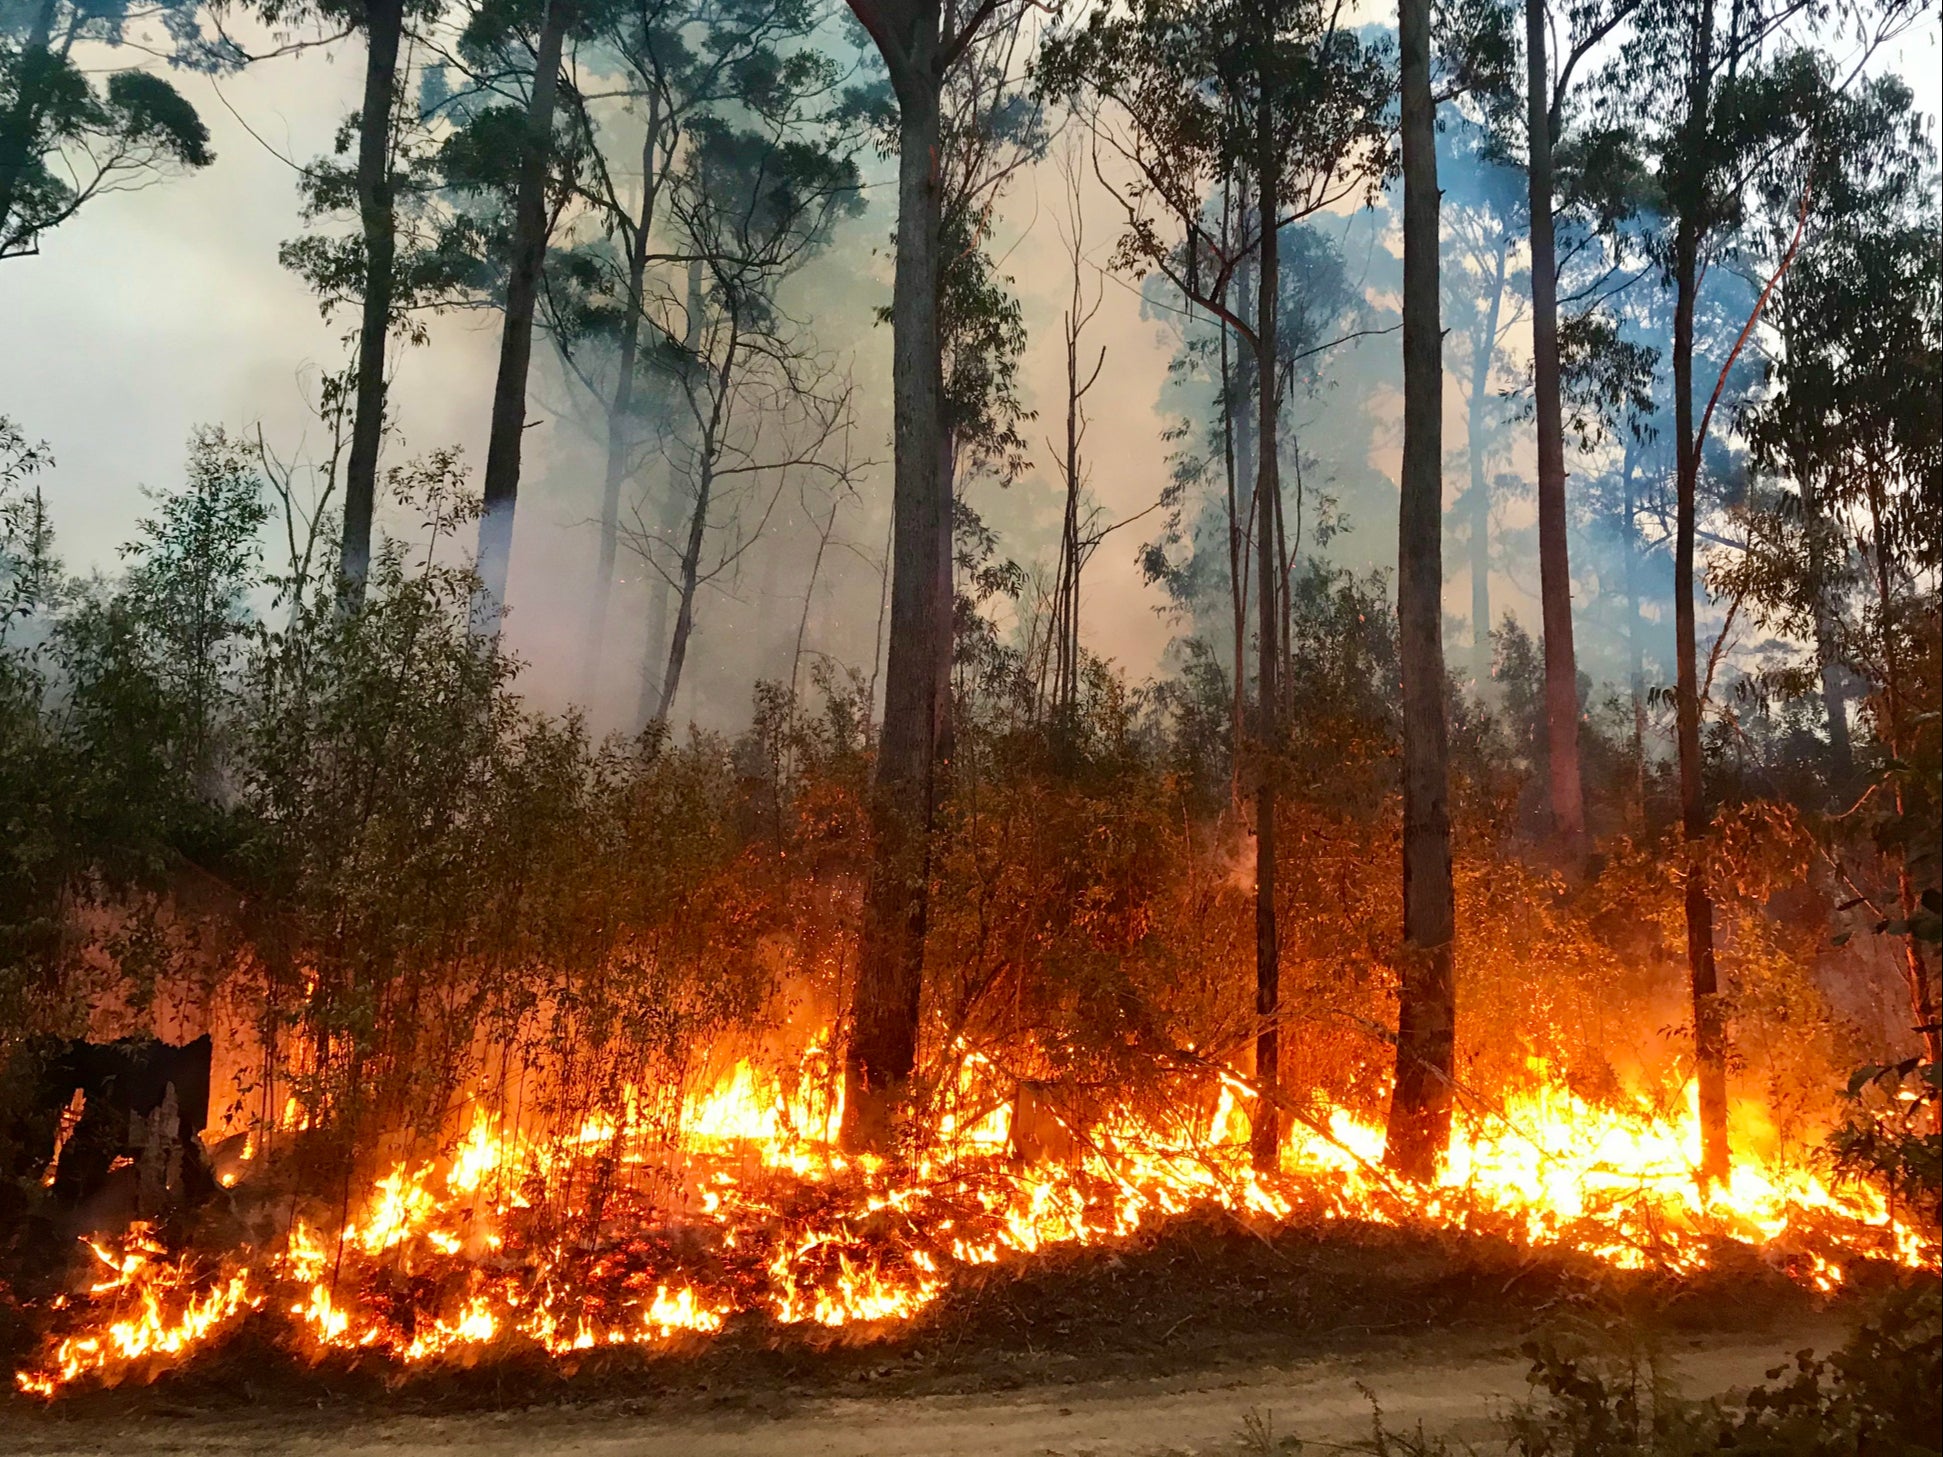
{"x": 165, "y": 308}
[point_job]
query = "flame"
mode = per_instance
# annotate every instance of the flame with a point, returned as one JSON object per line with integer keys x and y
{"x": 766, "y": 1219}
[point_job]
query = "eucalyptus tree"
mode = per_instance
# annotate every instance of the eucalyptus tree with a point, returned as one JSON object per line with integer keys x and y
{"x": 1589, "y": 24}
{"x": 1484, "y": 218}
{"x": 1279, "y": 98}
{"x": 535, "y": 209}
{"x": 991, "y": 126}
{"x": 663, "y": 66}
{"x": 1849, "y": 562}
{"x": 1420, "y": 1102}
{"x": 921, "y": 42}
{"x": 67, "y": 137}
{"x": 753, "y": 206}
{"x": 1747, "y": 91}
{"x": 403, "y": 261}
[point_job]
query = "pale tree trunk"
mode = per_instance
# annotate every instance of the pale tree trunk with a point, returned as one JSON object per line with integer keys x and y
{"x": 1554, "y": 565}
{"x": 384, "y": 25}
{"x": 1709, "y": 1027}
{"x": 1420, "y": 1105}
{"x": 619, "y": 437}
{"x": 1265, "y": 1131}
{"x": 691, "y": 554}
{"x": 1922, "y": 1001}
{"x": 649, "y": 708}
{"x": 882, "y": 1051}
{"x": 1483, "y": 350}
{"x": 946, "y": 641}
{"x": 1827, "y": 651}
{"x": 1636, "y": 665}
{"x": 504, "y": 437}
{"x": 1237, "y": 588}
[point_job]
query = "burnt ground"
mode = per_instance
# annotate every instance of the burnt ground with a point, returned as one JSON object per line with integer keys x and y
{"x": 1149, "y": 1342}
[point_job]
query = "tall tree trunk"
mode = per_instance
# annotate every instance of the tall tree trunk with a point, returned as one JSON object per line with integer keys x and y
{"x": 946, "y": 641}
{"x": 1484, "y": 349}
{"x": 708, "y": 451}
{"x": 649, "y": 708}
{"x": 504, "y": 436}
{"x": 384, "y": 25}
{"x": 1636, "y": 664}
{"x": 1265, "y": 1130}
{"x": 1709, "y": 1028}
{"x": 882, "y": 1051}
{"x": 1420, "y": 1105}
{"x": 1922, "y": 1001}
{"x": 619, "y": 409}
{"x": 1827, "y": 650}
{"x": 691, "y": 559}
{"x": 648, "y": 705}
{"x": 1237, "y": 588}
{"x": 1554, "y": 565}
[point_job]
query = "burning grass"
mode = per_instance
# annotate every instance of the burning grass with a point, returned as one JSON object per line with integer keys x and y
{"x": 615, "y": 1236}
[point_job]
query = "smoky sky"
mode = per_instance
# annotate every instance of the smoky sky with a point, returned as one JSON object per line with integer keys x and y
{"x": 165, "y": 308}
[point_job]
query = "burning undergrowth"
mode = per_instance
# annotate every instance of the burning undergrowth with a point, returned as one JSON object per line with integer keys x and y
{"x": 611, "y": 1236}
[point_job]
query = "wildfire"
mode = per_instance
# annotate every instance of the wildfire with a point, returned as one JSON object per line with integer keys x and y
{"x": 758, "y": 1214}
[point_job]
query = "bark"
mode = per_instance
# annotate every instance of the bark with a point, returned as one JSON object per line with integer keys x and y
{"x": 1827, "y": 652}
{"x": 1636, "y": 668}
{"x": 504, "y": 436}
{"x": 1237, "y": 588}
{"x": 882, "y": 1050}
{"x": 1483, "y": 350}
{"x": 648, "y": 707}
{"x": 946, "y": 641}
{"x": 1554, "y": 565}
{"x": 1420, "y": 1105}
{"x": 1922, "y": 1003}
{"x": 1265, "y": 1128}
{"x": 384, "y": 26}
{"x": 1709, "y": 1028}
{"x": 691, "y": 553}
{"x": 620, "y": 408}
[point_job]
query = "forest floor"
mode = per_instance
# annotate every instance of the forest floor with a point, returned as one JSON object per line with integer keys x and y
{"x": 1167, "y": 1347}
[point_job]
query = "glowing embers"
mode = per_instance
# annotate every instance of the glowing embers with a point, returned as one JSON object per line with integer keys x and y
{"x": 615, "y": 1234}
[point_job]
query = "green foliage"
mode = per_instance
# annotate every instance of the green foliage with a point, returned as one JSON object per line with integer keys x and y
{"x": 66, "y": 138}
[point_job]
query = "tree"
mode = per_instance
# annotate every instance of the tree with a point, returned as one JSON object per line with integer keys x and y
{"x": 1189, "y": 98}
{"x": 66, "y": 139}
{"x": 1850, "y": 564}
{"x": 676, "y": 64}
{"x": 920, "y": 42}
{"x": 532, "y": 220}
{"x": 1745, "y": 95}
{"x": 1420, "y": 1105}
{"x": 1484, "y": 215}
{"x": 754, "y": 206}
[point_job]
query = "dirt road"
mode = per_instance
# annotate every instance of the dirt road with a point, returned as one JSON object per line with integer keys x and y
{"x": 1453, "y": 1385}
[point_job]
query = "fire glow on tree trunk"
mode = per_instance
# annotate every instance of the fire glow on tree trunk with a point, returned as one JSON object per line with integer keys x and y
{"x": 882, "y": 1048}
{"x": 1420, "y": 1105}
{"x": 1265, "y": 1129}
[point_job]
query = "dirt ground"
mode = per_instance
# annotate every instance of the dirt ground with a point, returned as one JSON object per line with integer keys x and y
{"x": 1167, "y": 1348}
{"x": 1454, "y": 1387}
